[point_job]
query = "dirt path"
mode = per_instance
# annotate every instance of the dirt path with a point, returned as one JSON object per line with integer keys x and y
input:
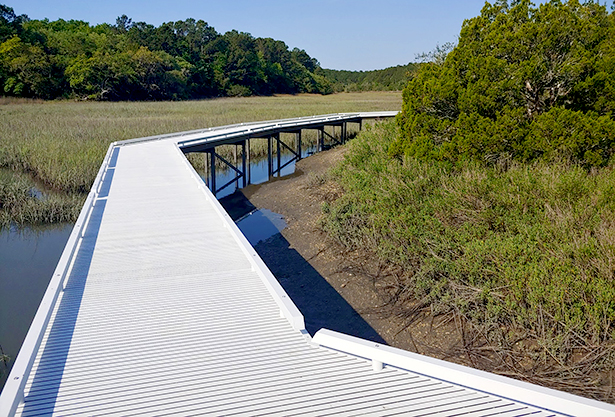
{"x": 333, "y": 288}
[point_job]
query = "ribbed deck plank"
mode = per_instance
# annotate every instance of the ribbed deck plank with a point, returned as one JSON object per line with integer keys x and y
{"x": 167, "y": 312}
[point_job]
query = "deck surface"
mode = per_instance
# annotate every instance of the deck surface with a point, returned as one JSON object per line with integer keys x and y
{"x": 165, "y": 312}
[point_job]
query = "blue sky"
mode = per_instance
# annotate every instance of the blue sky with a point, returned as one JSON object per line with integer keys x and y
{"x": 341, "y": 34}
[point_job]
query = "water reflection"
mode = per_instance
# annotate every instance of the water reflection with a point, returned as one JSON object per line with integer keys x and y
{"x": 260, "y": 225}
{"x": 28, "y": 258}
{"x": 258, "y": 172}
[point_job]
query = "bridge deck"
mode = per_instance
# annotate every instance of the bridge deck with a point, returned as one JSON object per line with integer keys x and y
{"x": 168, "y": 310}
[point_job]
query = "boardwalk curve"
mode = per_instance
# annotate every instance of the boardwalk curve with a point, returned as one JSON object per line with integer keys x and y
{"x": 160, "y": 306}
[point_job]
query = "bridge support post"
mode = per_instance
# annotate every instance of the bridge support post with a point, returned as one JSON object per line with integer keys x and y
{"x": 321, "y": 139}
{"x": 344, "y": 132}
{"x": 278, "y": 154}
{"x": 206, "y": 159}
{"x": 249, "y": 179}
{"x": 212, "y": 159}
{"x": 244, "y": 167}
{"x": 269, "y": 157}
{"x": 235, "y": 160}
{"x": 298, "y": 144}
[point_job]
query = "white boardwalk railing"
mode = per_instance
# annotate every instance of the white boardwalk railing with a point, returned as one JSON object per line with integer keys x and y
{"x": 160, "y": 306}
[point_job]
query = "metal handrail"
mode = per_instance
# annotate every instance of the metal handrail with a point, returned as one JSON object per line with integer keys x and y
{"x": 216, "y": 128}
{"x": 13, "y": 392}
{"x": 275, "y": 125}
{"x": 515, "y": 390}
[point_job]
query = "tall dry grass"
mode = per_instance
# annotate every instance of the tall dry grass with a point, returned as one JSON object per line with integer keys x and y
{"x": 62, "y": 143}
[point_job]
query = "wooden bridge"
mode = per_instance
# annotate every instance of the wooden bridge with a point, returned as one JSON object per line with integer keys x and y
{"x": 160, "y": 306}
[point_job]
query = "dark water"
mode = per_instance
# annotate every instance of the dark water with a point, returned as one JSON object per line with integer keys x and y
{"x": 260, "y": 225}
{"x": 27, "y": 261}
{"x": 258, "y": 171}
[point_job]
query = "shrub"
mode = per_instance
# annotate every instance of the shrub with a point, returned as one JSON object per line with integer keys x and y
{"x": 524, "y": 252}
{"x": 524, "y": 82}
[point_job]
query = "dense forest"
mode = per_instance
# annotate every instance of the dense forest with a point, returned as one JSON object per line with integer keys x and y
{"x": 388, "y": 79}
{"x": 138, "y": 61}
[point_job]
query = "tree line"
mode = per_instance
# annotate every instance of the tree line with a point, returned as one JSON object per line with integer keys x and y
{"x": 524, "y": 82}
{"x": 139, "y": 61}
{"x": 388, "y": 79}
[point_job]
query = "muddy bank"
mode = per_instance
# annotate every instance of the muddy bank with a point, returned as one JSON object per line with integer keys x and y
{"x": 332, "y": 287}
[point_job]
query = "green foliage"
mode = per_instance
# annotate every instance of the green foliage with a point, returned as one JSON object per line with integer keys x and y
{"x": 137, "y": 61}
{"x": 522, "y": 252}
{"x": 10, "y": 23}
{"x": 523, "y": 82}
{"x": 388, "y": 79}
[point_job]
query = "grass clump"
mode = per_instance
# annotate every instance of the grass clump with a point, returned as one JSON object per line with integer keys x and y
{"x": 21, "y": 205}
{"x": 524, "y": 253}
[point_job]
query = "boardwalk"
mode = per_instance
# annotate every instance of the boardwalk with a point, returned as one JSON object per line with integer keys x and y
{"x": 159, "y": 306}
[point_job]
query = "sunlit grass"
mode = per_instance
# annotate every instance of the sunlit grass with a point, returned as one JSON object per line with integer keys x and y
{"x": 62, "y": 143}
{"x": 523, "y": 254}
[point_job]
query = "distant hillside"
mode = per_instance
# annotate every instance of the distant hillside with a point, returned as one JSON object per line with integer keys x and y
{"x": 392, "y": 78}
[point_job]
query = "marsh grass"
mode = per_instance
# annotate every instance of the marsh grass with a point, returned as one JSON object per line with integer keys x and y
{"x": 523, "y": 255}
{"x": 22, "y": 204}
{"x": 62, "y": 143}
{"x": 4, "y": 362}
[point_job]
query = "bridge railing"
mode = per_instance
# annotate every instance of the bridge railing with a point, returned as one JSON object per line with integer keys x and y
{"x": 288, "y": 309}
{"x": 210, "y": 132}
{"x": 273, "y": 126}
{"x": 519, "y": 391}
{"x": 13, "y": 391}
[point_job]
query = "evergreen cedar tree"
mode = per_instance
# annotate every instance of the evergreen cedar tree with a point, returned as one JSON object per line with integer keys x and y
{"x": 523, "y": 82}
{"x": 137, "y": 61}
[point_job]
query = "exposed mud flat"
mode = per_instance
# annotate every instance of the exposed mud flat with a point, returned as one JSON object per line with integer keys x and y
{"x": 334, "y": 288}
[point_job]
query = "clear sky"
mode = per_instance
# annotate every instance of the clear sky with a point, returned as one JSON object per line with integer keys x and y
{"x": 341, "y": 34}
